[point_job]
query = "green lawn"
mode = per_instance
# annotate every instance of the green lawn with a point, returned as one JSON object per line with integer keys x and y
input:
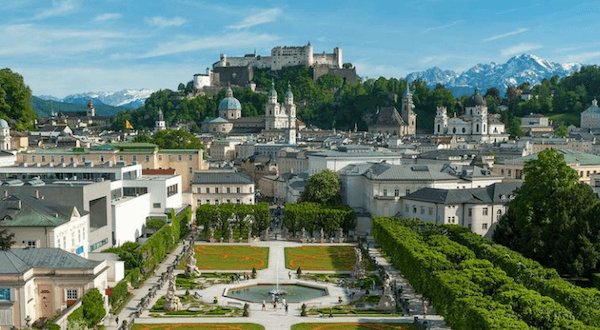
{"x": 320, "y": 257}
{"x": 192, "y": 326}
{"x": 231, "y": 257}
{"x": 352, "y": 326}
{"x": 566, "y": 118}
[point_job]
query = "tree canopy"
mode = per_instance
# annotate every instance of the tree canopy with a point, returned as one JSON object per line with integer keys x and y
{"x": 6, "y": 239}
{"x": 15, "y": 101}
{"x": 93, "y": 307}
{"x": 172, "y": 139}
{"x": 552, "y": 217}
{"x": 324, "y": 188}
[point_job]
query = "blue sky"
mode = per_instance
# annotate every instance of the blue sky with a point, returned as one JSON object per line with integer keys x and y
{"x": 64, "y": 47}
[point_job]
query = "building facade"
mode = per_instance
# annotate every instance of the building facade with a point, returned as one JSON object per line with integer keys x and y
{"x": 223, "y": 186}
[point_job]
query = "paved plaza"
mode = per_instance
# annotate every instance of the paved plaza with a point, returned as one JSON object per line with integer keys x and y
{"x": 270, "y": 318}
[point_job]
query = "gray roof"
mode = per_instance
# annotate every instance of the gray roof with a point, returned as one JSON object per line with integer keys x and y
{"x": 420, "y": 172}
{"x": 53, "y": 258}
{"x": 21, "y": 210}
{"x": 221, "y": 177}
{"x": 11, "y": 264}
{"x": 495, "y": 193}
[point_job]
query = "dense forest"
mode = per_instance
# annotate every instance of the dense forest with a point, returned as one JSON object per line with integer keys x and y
{"x": 329, "y": 102}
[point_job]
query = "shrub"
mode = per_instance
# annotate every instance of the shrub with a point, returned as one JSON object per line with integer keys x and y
{"x": 93, "y": 307}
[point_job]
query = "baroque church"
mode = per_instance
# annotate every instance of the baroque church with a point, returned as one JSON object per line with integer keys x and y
{"x": 475, "y": 125}
{"x": 391, "y": 123}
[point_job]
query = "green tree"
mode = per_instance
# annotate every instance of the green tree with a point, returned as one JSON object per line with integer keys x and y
{"x": 177, "y": 139}
{"x": 323, "y": 187}
{"x": 15, "y": 100}
{"x": 93, "y": 307}
{"x": 6, "y": 239}
{"x": 549, "y": 220}
{"x": 562, "y": 130}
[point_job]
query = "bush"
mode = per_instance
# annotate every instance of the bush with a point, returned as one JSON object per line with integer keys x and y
{"x": 93, "y": 307}
{"x": 155, "y": 223}
{"x": 216, "y": 216}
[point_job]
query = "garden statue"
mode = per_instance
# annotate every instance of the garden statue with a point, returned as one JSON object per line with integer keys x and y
{"x": 265, "y": 235}
{"x": 322, "y": 236}
{"x": 191, "y": 269}
{"x": 303, "y": 237}
{"x": 249, "y": 234}
{"x": 359, "y": 270}
{"x": 172, "y": 302}
{"x": 211, "y": 234}
{"x": 230, "y": 234}
{"x": 340, "y": 235}
{"x": 387, "y": 300}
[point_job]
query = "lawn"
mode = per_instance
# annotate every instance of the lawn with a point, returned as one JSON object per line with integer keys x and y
{"x": 352, "y": 326}
{"x": 566, "y": 118}
{"x": 320, "y": 257}
{"x": 231, "y": 257}
{"x": 192, "y": 326}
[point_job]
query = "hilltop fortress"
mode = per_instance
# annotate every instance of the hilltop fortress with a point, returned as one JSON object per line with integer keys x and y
{"x": 240, "y": 70}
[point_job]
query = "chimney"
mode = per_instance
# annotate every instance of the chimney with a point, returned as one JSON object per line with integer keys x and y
{"x": 5, "y": 193}
{"x": 37, "y": 194}
{"x": 19, "y": 204}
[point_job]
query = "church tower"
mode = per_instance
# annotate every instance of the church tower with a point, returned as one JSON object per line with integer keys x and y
{"x": 441, "y": 121}
{"x": 159, "y": 125}
{"x": 408, "y": 115}
{"x": 5, "y": 138}
{"x": 275, "y": 117}
{"x": 91, "y": 111}
{"x": 290, "y": 109}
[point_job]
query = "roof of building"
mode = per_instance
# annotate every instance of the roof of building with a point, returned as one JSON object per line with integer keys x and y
{"x": 389, "y": 116}
{"x": 21, "y": 210}
{"x": 571, "y": 157}
{"x": 4, "y": 124}
{"x": 592, "y": 108}
{"x": 424, "y": 172}
{"x": 53, "y": 258}
{"x": 11, "y": 264}
{"x": 217, "y": 120}
{"x": 158, "y": 171}
{"x": 496, "y": 193}
{"x": 476, "y": 100}
{"x": 229, "y": 102}
{"x": 218, "y": 177}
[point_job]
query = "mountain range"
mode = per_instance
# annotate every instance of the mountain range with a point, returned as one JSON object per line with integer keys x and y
{"x": 126, "y": 98}
{"x": 517, "y": 70}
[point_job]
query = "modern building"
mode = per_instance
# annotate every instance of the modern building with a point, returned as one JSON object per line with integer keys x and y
{"x": 40, "y": 223}
{"x": 476, "y": 124}
{"x": 223, "y": 186}
{"x": 479, "y": 209}
{"x": 535, "y": 124}
{"x": 42, "y": 283}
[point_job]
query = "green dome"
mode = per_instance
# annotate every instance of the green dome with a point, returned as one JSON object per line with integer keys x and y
{"x": 229, "y": 102}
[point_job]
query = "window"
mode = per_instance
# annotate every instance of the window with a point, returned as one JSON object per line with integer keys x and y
{"x": 484, "y": 225}
{"x": 208, "y": 201}
{"x": 159, "y": 157}
{"x": 414, "y": 209}
{"x": 5, "y": 294}
{"x": 396, "y": 192}
{"x": 469, "y": 226}
{"x": 228, "y": 190}
{"x": 470, "y": 211}
{"x": 228, "y": 201}
{"x": 216, "y": 190}
{"x": 384, "y": 192}
{"x": 430, "y": 211}
{"x": 422, "y": 209}
{"x": 72, "y": 294}
{"x": 43, "y": 159}
{"x": 238, "y": 201}
{"x": 191, "y": 157}
{"x": 172, "y": 190}
{"x": 190, "y": 170}
{"x": 179, "y": 157}
{"x": 32, "y": 244}
{"x": 485, "y": 211}
{"x": 208, "y": 190}
{"x": 407, "y": 192}
{"x": 170, "y": 157}
{"x": 498, "y": 215}
{"x": 101, "y": 159}
{"x": 237, "y": 190}
{"x": 147, "y": 158}
{"x": 134, "y": 158}
{"x": 156, "y": 205}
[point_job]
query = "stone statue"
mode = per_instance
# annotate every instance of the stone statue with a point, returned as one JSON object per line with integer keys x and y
{"x": 359, "y": 270}
{"x": 303, "y": 237}
{"x": 249, "y": 234}
{"x": 172, "y": 302}
{"x": 265, "y": 235}
{"x": 322, "y": 237}
{"x": 387, "y": 300}
{"x": 230, "y": 234}
{"x": 211, "y": 234}
{"x": 340, "y": 235}
{"x": 191, "y": 269}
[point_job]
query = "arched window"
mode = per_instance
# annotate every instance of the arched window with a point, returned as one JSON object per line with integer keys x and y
{"x": 483, "y": 128}
{"x": 438, "y": 128}
{"x": 477, "y": 128}
{"x": 454, "y": 130}
{"x": 464, "y": 130}
{"x": 498, "y": 215}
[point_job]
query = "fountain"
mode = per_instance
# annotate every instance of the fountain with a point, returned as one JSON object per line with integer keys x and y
{"x": 277, "y": 292}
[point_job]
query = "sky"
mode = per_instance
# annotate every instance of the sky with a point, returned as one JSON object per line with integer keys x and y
{"x": 63, "y": 47}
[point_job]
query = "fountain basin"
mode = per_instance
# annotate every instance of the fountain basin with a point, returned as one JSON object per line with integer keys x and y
{"x": 293, "y": 293}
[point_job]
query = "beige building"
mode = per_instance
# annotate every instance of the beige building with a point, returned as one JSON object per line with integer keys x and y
{"x": 585, "y": 164}
{"x": 222, "y": 186}
{"x": 42, "y": 283}
{"x": 184, "y": 161}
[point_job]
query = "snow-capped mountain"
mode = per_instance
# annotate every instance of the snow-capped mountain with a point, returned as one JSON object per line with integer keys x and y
{"x": 517, "y": 70}
{"x": 128, "y": 98}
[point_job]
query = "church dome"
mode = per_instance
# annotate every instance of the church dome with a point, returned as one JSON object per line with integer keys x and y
{"x": 229, "y": 102}
{"x": 3, "y": 124}
{"x": 476, "y": 100}
{"x": 273, "y": 92}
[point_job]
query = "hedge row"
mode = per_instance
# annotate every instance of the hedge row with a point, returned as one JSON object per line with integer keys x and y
{"x": 459, "y": 299}
{"x": 313, "y": 216}
{"x": 478, "y": 284}
{"x": 584, "y": 303}
{"x": 154, "y": 250}
{"x": 217, "y": 217}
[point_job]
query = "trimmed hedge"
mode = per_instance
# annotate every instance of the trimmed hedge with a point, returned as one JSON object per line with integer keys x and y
{"x": 469, "y": 292}
{"x": 584, "y": 303}
{"x": 216, "y": 216}
{"x": 314, "y": 216}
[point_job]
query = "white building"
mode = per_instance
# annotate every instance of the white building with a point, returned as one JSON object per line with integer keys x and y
{"x": 335, "y": 160}
{"x": 223, "y": 186}
{"x": 475, "y": 125}
{"x": 281, "y": 117}
{"x": 478, "y": 209}
{"x": 39, "y": 223}
{"x": 377, "y": 189}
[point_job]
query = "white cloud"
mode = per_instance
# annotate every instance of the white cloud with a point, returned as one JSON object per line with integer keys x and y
{"x": 59, "y": 8}
{"x": 444, "y": 26}
{"x": 368, "y": 69}
{"x": 166, "y": 21}
{"x": 583, "y": 57}
{"x": 107, "y": 17}
{"x": 519, "y": 49}
{"x": 240, "y": 40}
{"x": 257, "y": 18}
{"x": 505, "y": 35}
